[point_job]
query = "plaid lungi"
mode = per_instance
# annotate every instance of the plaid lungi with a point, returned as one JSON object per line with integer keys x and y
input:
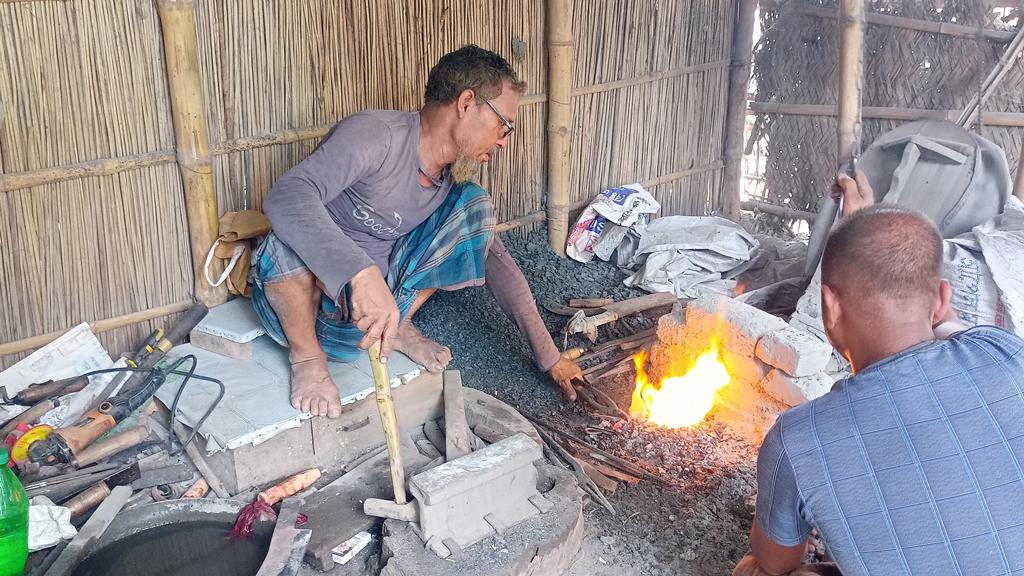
{"x": 446, "y": 251}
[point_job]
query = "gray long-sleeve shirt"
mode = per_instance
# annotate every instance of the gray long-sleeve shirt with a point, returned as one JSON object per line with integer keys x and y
{"x": 343, "y": 208}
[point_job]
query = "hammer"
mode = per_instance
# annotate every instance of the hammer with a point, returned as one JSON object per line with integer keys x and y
{"x": 386, "y": 407}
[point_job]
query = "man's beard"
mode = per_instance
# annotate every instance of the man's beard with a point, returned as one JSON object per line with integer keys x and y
{"x": 465, "y": 169}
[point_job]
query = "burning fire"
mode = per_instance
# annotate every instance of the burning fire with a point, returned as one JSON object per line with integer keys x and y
{"x": 679, "y": 401}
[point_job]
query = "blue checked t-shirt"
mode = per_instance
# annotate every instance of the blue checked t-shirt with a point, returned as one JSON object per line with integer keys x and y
{"x": 913, "y": 466}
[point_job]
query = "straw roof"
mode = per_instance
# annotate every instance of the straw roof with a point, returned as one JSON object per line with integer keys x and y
{"x": 796, "y": 62}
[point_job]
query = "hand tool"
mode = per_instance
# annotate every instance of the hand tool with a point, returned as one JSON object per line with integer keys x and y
{"x": 100, "y": 450}
{"x": 589, "y": 325}
{"x": 64, "y": 443}
{"x": 41, "y": 391}
{"x": 92, "y": 496}
{"x": 264, "y": 500}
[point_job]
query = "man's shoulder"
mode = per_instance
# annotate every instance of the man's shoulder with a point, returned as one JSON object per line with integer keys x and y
{"x": 992, "y": 336}
{"x": 379, "y": 122}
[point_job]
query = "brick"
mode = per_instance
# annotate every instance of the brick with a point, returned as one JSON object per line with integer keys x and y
{"x": 791, "y": 390}
{"x": 793, "y": 351}
{"x": 739, "y": 325}
{"x": 744, "y": 369}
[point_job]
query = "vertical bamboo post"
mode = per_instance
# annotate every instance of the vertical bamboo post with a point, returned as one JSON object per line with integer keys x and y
{"x": 736, "y": 115}
{"x": 4, "y": 150}
{"x": 851, "y": 76}
{"x": 389, "y": 420}
{"x": 1018, "y": 186}
{"x": 181, "y": 56}
{"x": 559, "y": 108}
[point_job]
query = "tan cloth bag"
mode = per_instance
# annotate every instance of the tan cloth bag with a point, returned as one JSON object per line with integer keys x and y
{"x": 233, "y": 246}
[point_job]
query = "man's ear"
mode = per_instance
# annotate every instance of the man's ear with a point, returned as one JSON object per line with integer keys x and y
{"x": 831, "y": 311}
{"x": 943, "y": 302}
{"x": 466, "y": 99}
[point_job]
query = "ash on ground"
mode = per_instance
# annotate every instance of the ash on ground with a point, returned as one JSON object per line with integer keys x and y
{"x": 696, "y": 517}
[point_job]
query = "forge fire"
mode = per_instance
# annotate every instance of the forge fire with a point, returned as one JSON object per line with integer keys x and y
{"x": 677, "y": 401}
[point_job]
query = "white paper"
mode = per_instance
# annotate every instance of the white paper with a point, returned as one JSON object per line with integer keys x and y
{"x": 348, "y": 549}
{"x": 75, "y": 352}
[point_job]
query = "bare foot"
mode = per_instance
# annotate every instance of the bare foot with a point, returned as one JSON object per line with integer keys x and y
{"x": 422, "y": 350}
{"x": 313, "y": 390}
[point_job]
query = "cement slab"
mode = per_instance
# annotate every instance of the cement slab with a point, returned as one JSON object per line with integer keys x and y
{"x": 234, "y": 320}
{"x": 257, "y": 403}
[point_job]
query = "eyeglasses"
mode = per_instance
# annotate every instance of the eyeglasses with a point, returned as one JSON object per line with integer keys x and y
{"x": 509, "y": 128}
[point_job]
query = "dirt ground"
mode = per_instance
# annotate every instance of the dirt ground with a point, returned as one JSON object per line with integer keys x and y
{"x": 692, "y": 522}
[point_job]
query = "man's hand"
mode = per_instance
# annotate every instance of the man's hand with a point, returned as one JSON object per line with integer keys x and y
{"x": 856, "y": 194}
{"x": 564, "y": 373}
{"x": 374, "y": 310}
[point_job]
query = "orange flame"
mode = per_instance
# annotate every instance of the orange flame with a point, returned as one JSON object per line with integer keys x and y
{"x": 679, "y": 401}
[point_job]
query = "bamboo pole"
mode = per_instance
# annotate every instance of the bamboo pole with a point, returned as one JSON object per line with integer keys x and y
{"x": 389, "y": 420}
{"x": 736, "y": 115}
{"x": 97, "y": 326}
{"x": 101, "y": 167}
{"x": 901, "y": 22}
{"x": 1018, "y": 186}
{"x": 178, "y": 22}
{"x": 560, "y": 45}
{"x": 1006, "y": 119}
{"x": 775, "y": 210}
{"x": 851, "y": 77}
{"x": 1005, "y": 64}
{"x": 3, "y": 142}
{"x": 271, "y": 139}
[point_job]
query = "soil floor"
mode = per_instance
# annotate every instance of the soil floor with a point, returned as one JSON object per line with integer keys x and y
{"x": 694, "y": 520}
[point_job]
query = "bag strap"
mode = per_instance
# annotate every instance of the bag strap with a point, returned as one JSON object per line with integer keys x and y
{"x": 235, "y": 255}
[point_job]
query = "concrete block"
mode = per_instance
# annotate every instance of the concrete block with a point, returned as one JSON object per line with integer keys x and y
{"x": 324, "y": 443}
{"x": 793, "y": 351}
{"x": 220, "y": 345}
{"x": 791, "y": 390}
{"x": 739, "y": 325}
{"x": 744, "y": 370}
{"x": 464, "y": 499}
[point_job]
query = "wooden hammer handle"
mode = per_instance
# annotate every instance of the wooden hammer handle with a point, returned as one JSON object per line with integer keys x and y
{"x": 389, "y": 420}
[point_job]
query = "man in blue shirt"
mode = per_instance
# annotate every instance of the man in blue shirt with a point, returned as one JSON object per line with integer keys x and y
{"x": 915, "y": 464}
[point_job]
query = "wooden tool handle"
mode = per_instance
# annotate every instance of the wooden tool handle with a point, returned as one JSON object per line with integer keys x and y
{"x": 289, "y": 486}
{"x": 389, "y": 420}
{"x": 123, "y": 441}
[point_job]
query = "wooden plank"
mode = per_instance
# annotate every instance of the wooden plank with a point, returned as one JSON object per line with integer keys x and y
{"x": 457, "y": 435}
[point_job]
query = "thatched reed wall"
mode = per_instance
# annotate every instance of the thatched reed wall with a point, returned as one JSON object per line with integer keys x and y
{"x": 85, "y": 82}
{"x": 796, "y": 64}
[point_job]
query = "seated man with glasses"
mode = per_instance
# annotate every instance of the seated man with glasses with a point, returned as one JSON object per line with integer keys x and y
{"x": 381, "y": 215}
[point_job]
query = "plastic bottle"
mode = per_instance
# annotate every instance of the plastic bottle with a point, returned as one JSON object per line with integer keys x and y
{"x": 13, "y": 521}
